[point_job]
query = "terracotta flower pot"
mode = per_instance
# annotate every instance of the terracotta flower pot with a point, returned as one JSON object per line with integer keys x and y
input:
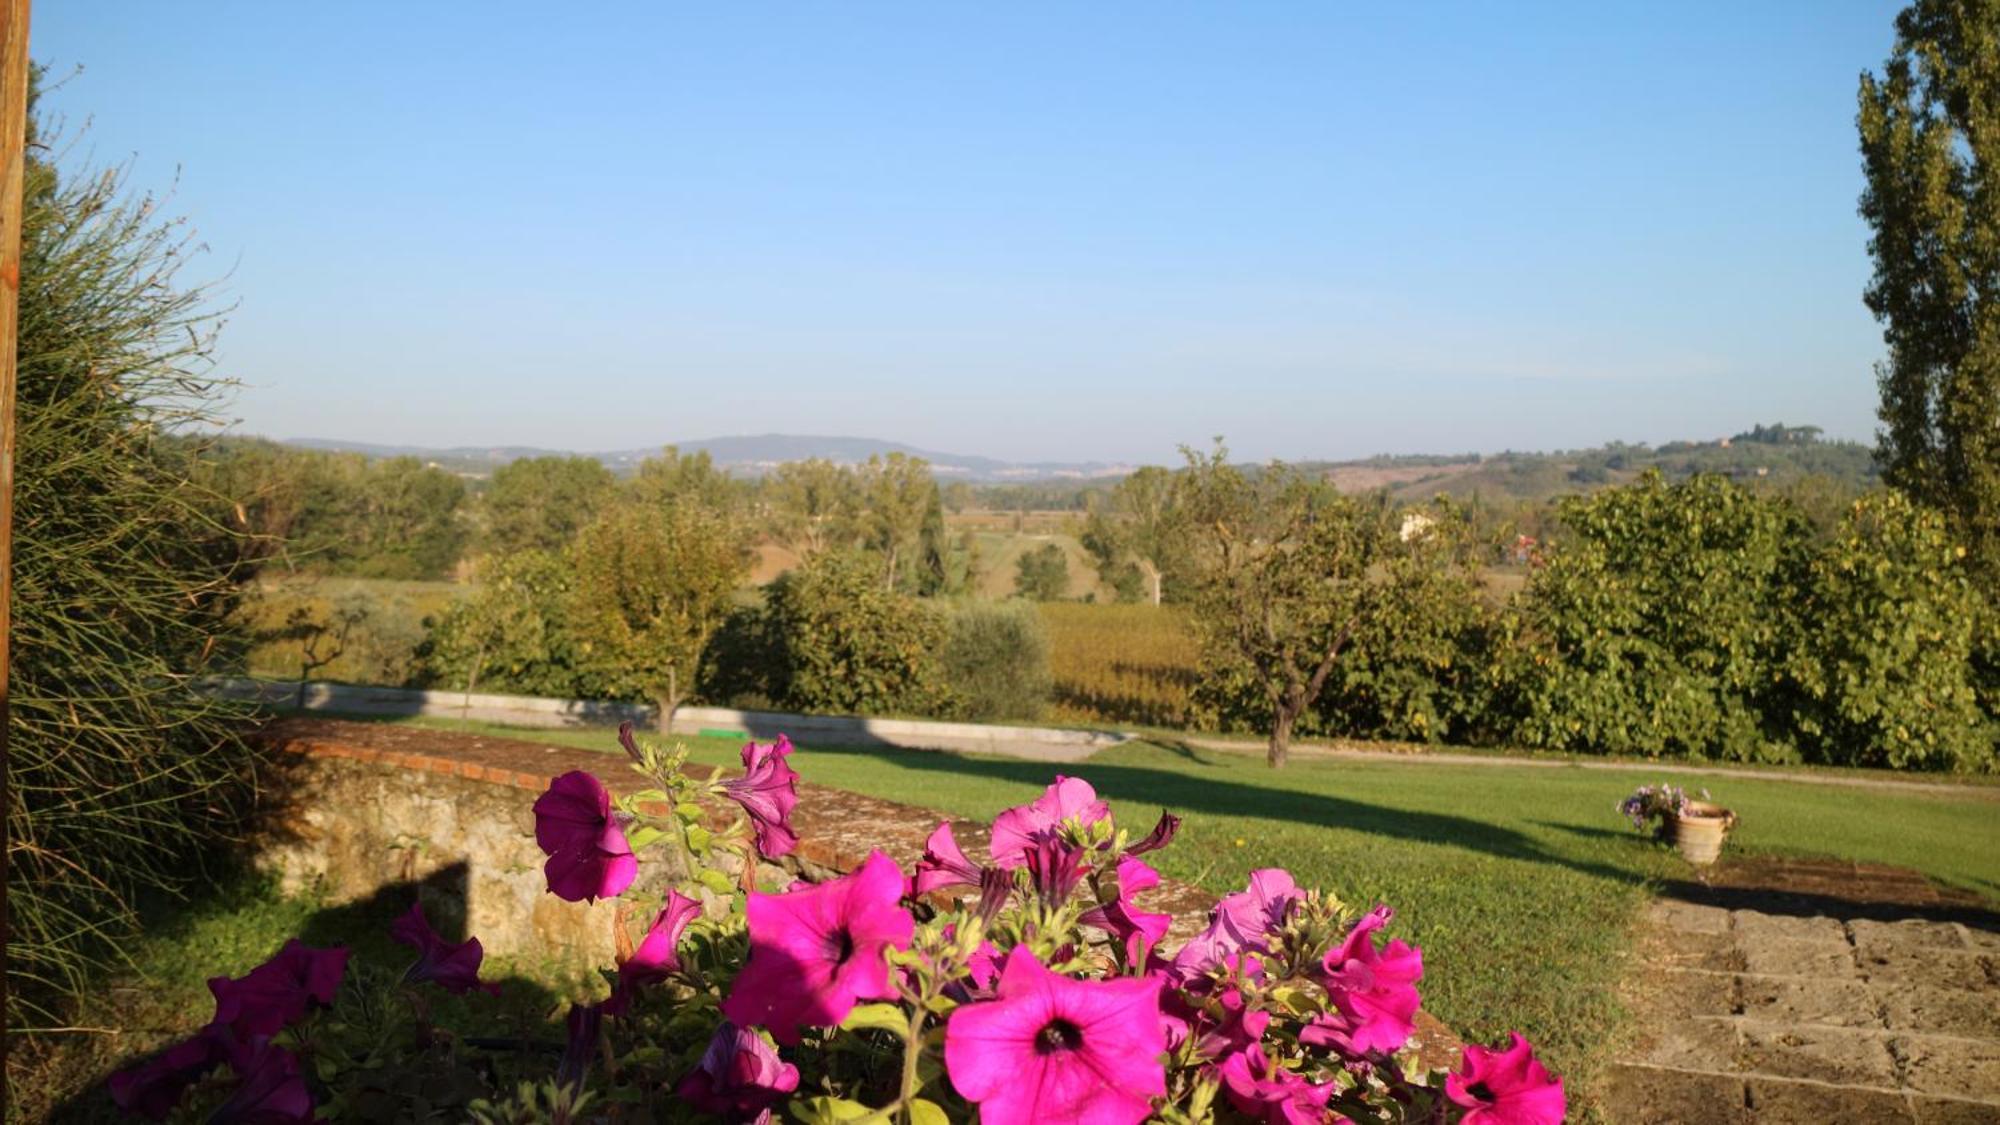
{"x": 1698, "y": 831}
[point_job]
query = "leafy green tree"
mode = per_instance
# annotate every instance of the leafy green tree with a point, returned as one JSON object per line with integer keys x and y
{"x": 1885, "y": 645}
{"x": 674, "y": 476}
{"x": 540, "y": 503}
{"x": 1284, "y": 570}
{"x": 393, "y": 518}
{"x": 1930, "y": 146}
{"x": 653, "y": 583}
{"x": 1654, "y": 628}
{"x": 997, "y": 661}
{"x": 813, "y": 506}
{"x": 124, "y": 574}
{"x": 845, "y": 644}
{"x": 513, "y": 632}
{"x": 1136, "y": 528}
{"x": 1042, "y": 574}
{"x": 898, "y": 496}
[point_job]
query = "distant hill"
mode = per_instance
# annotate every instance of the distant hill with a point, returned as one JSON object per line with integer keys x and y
{"x": 749, "y": 455}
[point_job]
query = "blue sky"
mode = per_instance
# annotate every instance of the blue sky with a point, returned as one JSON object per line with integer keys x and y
{"x": 1028, "y": 231}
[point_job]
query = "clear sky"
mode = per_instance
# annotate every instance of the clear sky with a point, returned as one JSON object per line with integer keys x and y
{"x": 1063, "y": 231}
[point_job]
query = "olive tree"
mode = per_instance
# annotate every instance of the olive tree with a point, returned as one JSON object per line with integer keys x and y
{"x": 653, "y": 583}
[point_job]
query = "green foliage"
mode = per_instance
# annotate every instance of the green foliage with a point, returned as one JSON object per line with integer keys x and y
{"x": 1931, "y": 151}
{"x": 1652, "y": 630}
{"x": 997, "y": 661}
{"x": 123, "y": 576}
{"x": 652, "y": 583}
{"x": 1042, "y": 574}
{"x": 385, "y": 642}
{"x": 1134, "y": 535}
{"x": 541, "y": 503}
{"x": 1419, "y": 666}
{"x": 513, "y": 634}
{"x": 394, "y": 518}
{"x": 1886, "y": 643}
{"x": 845, "y": 643}
{"x": 1285, "y": 573}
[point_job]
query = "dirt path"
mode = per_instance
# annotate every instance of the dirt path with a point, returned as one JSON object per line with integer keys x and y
{"x": 1812, "y": 991}
{"x": 1347, "y": 752}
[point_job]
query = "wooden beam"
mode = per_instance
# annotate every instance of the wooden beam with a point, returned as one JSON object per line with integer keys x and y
{"x": 13, "y": 168}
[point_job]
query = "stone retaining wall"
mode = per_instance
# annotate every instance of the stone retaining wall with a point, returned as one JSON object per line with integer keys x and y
{"x": 357, "y": 809}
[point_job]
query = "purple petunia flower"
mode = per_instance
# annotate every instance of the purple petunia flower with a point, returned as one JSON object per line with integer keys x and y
{"x": 452, "y": 967}
{"x": 768, "y": 791}
{"x": 589, "y": 857}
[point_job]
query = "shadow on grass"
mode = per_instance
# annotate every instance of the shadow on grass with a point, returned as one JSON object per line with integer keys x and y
{"x": 1141, "y": 785}
{"x": 519, "y": 1015}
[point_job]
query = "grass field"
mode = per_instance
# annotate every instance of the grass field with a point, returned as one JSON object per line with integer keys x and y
{"x": 381, "y": 643}
{"x": 1520, "y": 884}
{"x": 1130, "y": 664}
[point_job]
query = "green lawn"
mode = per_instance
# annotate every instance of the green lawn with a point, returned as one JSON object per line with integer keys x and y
{"x": 1519, "y": 883}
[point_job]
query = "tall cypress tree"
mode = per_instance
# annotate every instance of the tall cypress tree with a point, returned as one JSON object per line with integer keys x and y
{"x": 1930, "y": 144}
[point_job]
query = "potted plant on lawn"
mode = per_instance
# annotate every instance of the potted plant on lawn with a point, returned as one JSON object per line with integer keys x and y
{"x": 1697, "y": 828}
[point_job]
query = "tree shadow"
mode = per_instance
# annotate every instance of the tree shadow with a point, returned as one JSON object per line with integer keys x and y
{"x": 523, "y": 1007}
{"x": 1141, "y": 785}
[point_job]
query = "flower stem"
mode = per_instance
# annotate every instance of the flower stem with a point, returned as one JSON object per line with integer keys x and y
{"x": 913, "y": 1048}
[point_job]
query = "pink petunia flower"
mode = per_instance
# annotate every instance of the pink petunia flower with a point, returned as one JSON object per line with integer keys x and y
{"x": 1240, "y": 921}
{"x": 657, "y": 957}
{"x": 1017, "y": 829}
{"x": 454, "y": 968}
{"x": 739, "y": 1075}
{"x": 154, "y": 1088}
{"x": 269, "y": 1089}
{"x": 589, "y": 857}
{"x": 768, "y": 791}
{"x": 944, "y": 864}
{"x": 1271, "y": 1093}
{"x": 1220, "y": 1021}
{"x": 1374, "y": 993}
{"x": 1140, "y": 930}
{"x": 275, "y": 994}
{"x": 1054, "y": 1049}
{"x": 815, "y": 953}
{"x": 1161, "y": 835}
{"x": 1055, "y": 867}
{"x": 1506, "y": 1086}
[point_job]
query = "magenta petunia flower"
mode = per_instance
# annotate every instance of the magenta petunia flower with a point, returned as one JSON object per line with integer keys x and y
{"x": 589, "y": 857}
{"x": 454, "y": 968}
{"x": 269, "y": 1089}
{"x": 738, "y": 1076}
{"x": 1506, "y": 1086}
{"x": 584, "y": 1027}
{"x": 657, "y": 957}
{"x": 1271, "y": 1093}
{"x": 1240, "y": 921}
{"x": 768, "y": 791}
{"x": 1055, "y": 867}
{"x": 815, "y": 953}
{"x": 1161, "y": 835}
{"x": 154, "y": 1088}
{"x": 1374, "y": 993}
{"x": 1140, "y": 930}
{"x": 944, "y": 864}
{"x": 1017, "y": 829}
{"x": 275, "y": 994}
{"x": 1054, "y": 1049}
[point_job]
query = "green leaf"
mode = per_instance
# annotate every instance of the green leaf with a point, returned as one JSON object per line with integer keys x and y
{"x": 716, "y": 881}
{"x": 882, "y": 1017}
{"x": 824, "y": 1110}
{"x": 643, "y": 836}
{"x": 925, "y": 1112}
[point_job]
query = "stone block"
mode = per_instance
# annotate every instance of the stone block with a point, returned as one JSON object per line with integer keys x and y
{"x": 1756, "y": 926}
{"x": 1914, "y": 932}
{"x": 1687, "y": 917}
{"x": 1834, "y": 1001}
{"x": 1776, "y": 1101}
{"x": 1971, "y": 1012}
{"x": 1692, "y": 1044}
{"x": 1822, "y": 1054}
{"x": 1939, "y": 968}
{"x": 1644, "y": 1095}
{"x": 1781, "y": 957}
{"x": 1951, "y": 1111}
{"x": 1685, "y": 993}
{"x": 1950, "y": 1066}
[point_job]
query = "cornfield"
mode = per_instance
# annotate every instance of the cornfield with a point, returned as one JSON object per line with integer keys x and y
{"x": 1121, "y": 664}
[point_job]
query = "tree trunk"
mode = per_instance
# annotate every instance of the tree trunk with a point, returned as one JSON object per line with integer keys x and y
{"x": 1282, "y": 719}
{"x": 472, "y": 681}
{"x": 1153, "y": 579}
{"x": 669, "y": 702}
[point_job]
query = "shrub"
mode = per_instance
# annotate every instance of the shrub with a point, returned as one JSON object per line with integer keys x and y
{"x": 123, "y": 576}
{"x": 1042, "y": 574}
{"x": 1027, "y": 986}
{"x": 846, "y": 644}
{"x": 996, "y": 661}
{"x": 1653, "y": 628}
{"x": 1885, "y": 648}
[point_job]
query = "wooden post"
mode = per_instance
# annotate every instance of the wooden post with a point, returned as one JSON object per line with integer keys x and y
{"x": 13, "y": 161}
